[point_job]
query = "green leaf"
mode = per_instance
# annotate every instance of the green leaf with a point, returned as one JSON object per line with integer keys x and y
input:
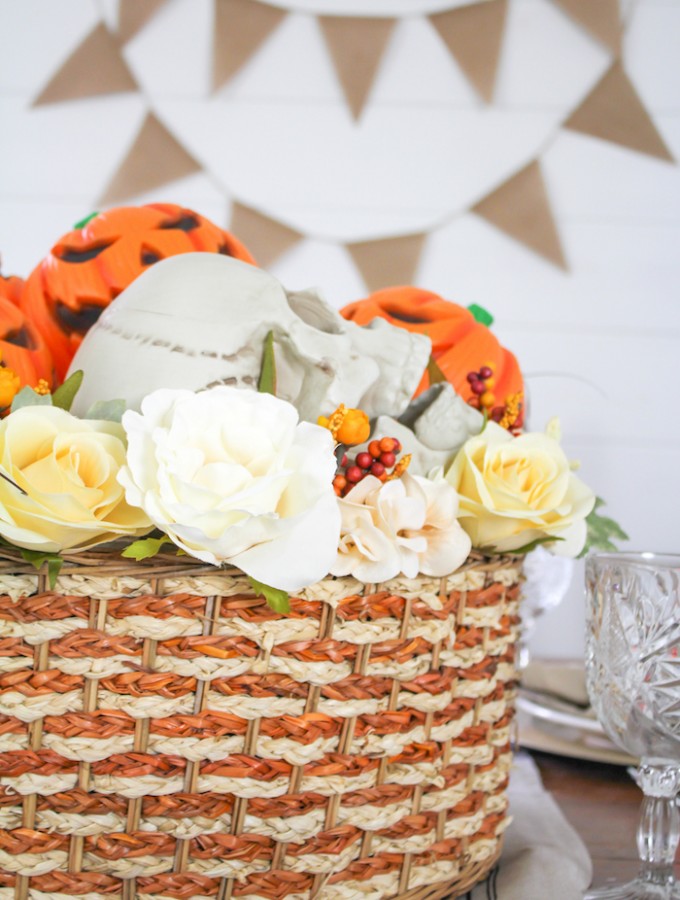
{"x": 83, "y": 222}
{"x": 38, "y": 557}
{"x": 435, "y": 373}
{"x": 276, "y": 599}
{"x": 64, "y": 395}
{"x": 483, "y": 316}
{"x": 267, "y": 382}
{"x": 145, "y": 548}
{"x": 28, "y": 397}
{"x": 602, "y": 531}
{"x": 108, "y": 410}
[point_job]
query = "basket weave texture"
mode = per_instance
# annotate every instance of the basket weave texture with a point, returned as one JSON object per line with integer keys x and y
{"x": 164, "y": 734}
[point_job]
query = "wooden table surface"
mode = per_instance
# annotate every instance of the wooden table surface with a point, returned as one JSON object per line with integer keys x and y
{"x": 602, "y": 803}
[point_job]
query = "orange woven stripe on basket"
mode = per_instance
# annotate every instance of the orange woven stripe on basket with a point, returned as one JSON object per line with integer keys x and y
{"x": 164, "y": 733}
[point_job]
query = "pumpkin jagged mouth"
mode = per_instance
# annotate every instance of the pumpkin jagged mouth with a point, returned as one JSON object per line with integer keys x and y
{"x": 405, "y": 317}
{"x": 148, "y": 257}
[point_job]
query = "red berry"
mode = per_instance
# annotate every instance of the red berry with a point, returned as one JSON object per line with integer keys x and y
{"x": 354, "y": 474}
{"x": 497, "y": 413}
{"x": 388, "y": 460}
{"x": 364, "y": 460}
{"x": 485, "y": 372}
{"x": 397, "y": 446}
{"x": 374, "y": 449}
{"x": 344, "y": 462}
{"x": 377, "y": 469}
{"x": 478, "y": 387}
{"x": 472, "y": 377}
{"x": 387, "y": 445}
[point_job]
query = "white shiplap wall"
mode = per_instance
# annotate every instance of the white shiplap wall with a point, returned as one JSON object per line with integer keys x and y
{"x": 600, "y": 345}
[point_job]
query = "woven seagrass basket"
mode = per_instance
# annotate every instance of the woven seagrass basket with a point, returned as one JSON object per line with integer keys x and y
{"x": 164, "y": 734}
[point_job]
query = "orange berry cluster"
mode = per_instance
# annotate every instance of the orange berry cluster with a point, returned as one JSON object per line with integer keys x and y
{"x": 380, "y": 460}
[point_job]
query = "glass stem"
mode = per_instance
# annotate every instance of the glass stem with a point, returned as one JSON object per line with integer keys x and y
{"x": 659, "y": 828}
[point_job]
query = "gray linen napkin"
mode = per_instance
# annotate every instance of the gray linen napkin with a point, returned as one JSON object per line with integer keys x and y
{"x": 542, "y": 855}
{"x": 565, "y": 679}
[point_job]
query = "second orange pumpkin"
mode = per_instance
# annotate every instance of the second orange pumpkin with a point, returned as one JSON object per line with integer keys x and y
{"x": 460, "y": 343}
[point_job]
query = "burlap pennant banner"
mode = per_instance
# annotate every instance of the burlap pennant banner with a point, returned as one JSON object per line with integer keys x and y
{"x": 521, "y": 209}
{"x": 474, "y": 36}
{"x": 240, "y": 27}
{"x": 156, "y": 158}
{"x": 94, "y": 68}
{"x": 356, "y": 45}
{"x": 601, "y": 18}
{"x": 388, "y": 261}
{"x": 133, "y": 15}
{"x": 613, "y": 111}
{"x": 266, "y": 238}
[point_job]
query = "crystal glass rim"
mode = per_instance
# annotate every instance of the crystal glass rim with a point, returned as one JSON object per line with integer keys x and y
{"x": 644, "y": 558}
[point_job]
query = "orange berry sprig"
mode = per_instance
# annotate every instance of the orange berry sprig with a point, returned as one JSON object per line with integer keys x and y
{"x": 380, "y": 460}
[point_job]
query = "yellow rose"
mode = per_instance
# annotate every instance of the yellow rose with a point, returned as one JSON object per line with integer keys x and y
{"x": 65, "y": 493}
{"x": 515, "y": 490}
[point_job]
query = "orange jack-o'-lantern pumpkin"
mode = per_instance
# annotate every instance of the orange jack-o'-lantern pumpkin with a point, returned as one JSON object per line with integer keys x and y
{"x": 23, "y": 351}
{"x": 465, "y": 351}
{"x": 87, "y": 268}
{"x": 11, "y": 287}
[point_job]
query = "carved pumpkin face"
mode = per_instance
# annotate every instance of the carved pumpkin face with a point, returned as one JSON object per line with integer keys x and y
{"x": 22, "y": 348}
{"x": 87, "y": 268}
{"x": 460, "y": 343}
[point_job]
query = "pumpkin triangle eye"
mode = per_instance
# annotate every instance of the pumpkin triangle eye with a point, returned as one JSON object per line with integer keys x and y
{"x": 71, "y": 255}
{"x": 185, "y": 223}
{"x": 80, "y": 321}
{"x": 21, "y": 338}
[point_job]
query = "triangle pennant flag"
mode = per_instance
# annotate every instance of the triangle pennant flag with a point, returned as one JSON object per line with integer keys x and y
{"x": 156, "y": 158}
{"x": 240, "y": 27}
{"x": 474, "y": 36}
{"x": 94, "y": 68}
{"x": 388, "y": 261}
{"x": 133, "y": 15}
{"x": 613, "y": 111}
{"x": 520, "y": 207}
{"x": 599, "y": 17}
{"x": 356, "y": 45}
{"x": 266, "y": 238}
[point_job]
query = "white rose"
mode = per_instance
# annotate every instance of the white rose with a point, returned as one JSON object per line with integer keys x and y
{"x": 407, "y": 525}
{"x": 62, "y": 492}
{"x": 232, "y": 476}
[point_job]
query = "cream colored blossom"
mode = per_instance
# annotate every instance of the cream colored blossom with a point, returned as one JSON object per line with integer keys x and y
{"x": 232, "y": 476}
{"x": 515, "y": 490}
{"x": 406, "y": 526}
{"x": 66, "y": 494}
